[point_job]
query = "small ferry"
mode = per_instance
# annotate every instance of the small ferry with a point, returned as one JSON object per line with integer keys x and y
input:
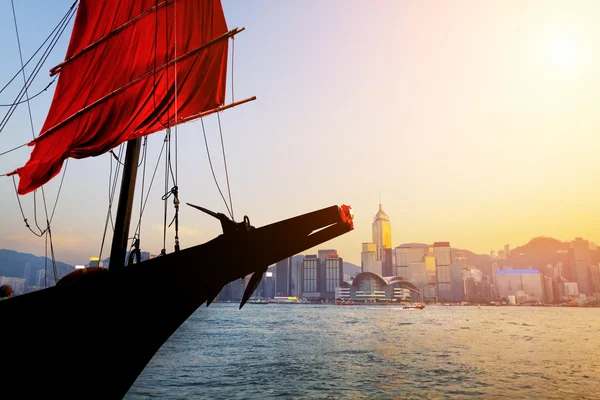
{"x": 258, "y": 301}
{"x": 414, "y": 307}
{"x": 344, "y": 303}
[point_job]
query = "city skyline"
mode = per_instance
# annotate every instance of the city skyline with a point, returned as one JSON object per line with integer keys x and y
{"x": 476, "y": 134}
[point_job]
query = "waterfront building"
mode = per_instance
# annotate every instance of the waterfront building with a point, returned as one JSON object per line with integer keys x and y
{"x": 443, "y": 260}
{"x": 41, "y": 278}
{"x": 549, "y": 289}
{"x": 459, "y": 263}
{"x": 382, "y": 233}
{"x": 334, "y": 275}
{"x": 368, "y": 259}
{"x": 571, "y": 290}
{"x": 527, "y": 281}
{"x": 370, "y": 287}
{"x": 595, "y": 279}
{"x": 387, "y": 264}
{"x": 311, "y": 276}
{"x": 580, "y": 261}
{"x": 430, "y": 291}
{"x": 283, "y": 277}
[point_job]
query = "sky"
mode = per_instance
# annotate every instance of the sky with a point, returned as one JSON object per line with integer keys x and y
{"x": 476, "y": 122}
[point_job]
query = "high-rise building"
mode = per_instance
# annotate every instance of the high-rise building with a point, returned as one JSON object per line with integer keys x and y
{"x": 311, "y": 276}
{"x": 548, "y": 290}
{"x": 387, "y": 264}
{"x": 507, "y": 250}
{"x": 443, "y": 260}
{"x": 324, "y": 254}
{"x": 493, "y": 254}
{"x": 382, "y": 233}
{"x": 368, "y": 259}
{"x": 334, "y": 275}
{"x": 459, "y": 263}
{"x": 268, "y": 285}
{"x": 283, "y": 277}
{"x": 525, "y": 284}
{"x": 297, "y": 279}
{"x": 595, "y": 279}
{"x": 580, "y": 261}
{"x": 41, "y": 278}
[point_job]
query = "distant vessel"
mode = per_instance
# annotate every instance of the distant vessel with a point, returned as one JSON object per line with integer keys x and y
{"x": 344, "y": 303}
{"x": 414, "y": 307}
{"x": 258, "y": 301}
{"x": 285, "y": 300}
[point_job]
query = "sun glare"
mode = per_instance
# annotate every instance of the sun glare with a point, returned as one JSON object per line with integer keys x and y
{"x": 563, "y": 51}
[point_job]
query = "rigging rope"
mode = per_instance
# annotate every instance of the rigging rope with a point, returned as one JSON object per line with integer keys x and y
{"x": 40, "y": 47}
{"x": 22, "y": 213}
{"x": 225, "y": 163}
{"x": 37, "y": 68}
{"x": 26, "y": 87}
{"x": 111, "y": 193}
{"x": 137, "y": 229}
{"x": 212, "y": 169}
{"x": 11, "y": 150}
{"x": 30, "y": 98}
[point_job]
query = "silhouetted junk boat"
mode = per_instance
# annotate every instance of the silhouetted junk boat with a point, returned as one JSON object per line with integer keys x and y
{"x": 92, "y": 334}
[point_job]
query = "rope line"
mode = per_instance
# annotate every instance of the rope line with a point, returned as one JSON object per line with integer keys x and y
{"x": 213, "y": 170}
{"x": 225, "y": 163}
{"x": 29, "y": 98}
{"x": 37, "y": 68}
{"x": 40, "y": 47}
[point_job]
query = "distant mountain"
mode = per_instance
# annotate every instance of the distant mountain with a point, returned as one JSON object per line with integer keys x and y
{"x": 351, "y": 269}
{"x": 13, "y": 263}
{"x": 538, "y": 253}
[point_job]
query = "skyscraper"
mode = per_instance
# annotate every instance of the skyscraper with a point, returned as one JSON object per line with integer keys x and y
{"x": 443, "y": 259}
{"x": 311, "y": 276}
{"x": 283, "y": 277}
{"x": 580, "y": 261}
{"x": 334, "y": 274}
{"x": 368, "y": 259}
{"x": 382, "y": 233}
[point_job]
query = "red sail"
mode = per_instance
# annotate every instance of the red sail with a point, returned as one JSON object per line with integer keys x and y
{"x": 118, "y": 79}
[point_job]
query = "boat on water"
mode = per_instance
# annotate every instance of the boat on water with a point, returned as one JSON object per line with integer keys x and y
{"x": 413, "y": 307}
{"x": 258, "y": 301}
{"x": 344, "y": 303}
{"x": 286, "y": 300}
{"x": 133, "y": 68}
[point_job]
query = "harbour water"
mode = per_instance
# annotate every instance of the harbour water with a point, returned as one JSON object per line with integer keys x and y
{"x": 378, "y": 352}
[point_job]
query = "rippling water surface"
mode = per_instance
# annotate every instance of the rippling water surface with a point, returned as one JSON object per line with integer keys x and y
{"x": 304, "y": 351}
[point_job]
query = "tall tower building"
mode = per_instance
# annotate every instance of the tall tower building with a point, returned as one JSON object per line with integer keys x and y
{"x": 382, "y": 233}
{"x": 443, "y": 260}
{"x": 283, "y": 277}
{"x": 579, "y": 264}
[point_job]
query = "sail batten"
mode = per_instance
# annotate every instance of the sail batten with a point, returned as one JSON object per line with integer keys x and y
{"x": 140, "y": 79}
{"x": 121, "y": 78}
{"x": 55, "y": 70}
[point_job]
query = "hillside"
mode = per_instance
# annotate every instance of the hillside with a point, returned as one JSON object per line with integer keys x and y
{"x": 13, "y": 263}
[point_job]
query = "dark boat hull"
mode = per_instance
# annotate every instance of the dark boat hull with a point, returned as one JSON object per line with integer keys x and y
{"x": 92, "y": 337}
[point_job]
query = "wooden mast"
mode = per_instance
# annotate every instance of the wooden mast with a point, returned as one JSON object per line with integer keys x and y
{"x": 119, "y": 242}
